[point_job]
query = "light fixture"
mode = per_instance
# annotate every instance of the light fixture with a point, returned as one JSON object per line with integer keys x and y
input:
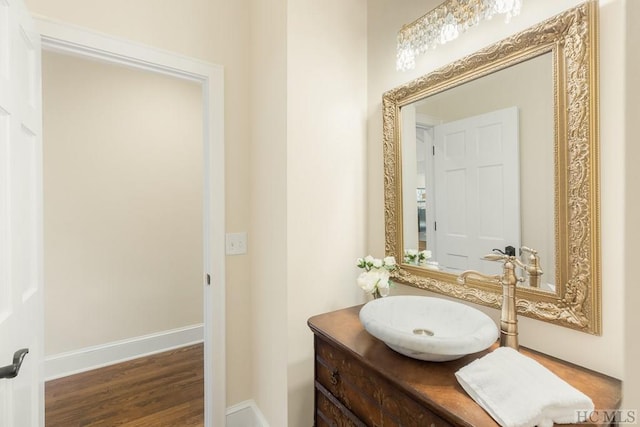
{"x": 445, "y": 23}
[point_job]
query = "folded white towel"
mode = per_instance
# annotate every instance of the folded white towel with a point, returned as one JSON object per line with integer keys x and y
{"x": 517, "y": 391}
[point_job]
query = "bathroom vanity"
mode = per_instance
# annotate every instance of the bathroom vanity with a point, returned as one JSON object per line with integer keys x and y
{"x": 360, "y": 382}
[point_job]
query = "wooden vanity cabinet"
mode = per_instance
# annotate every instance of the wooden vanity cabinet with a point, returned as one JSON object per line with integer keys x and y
{"x": 360, "y": 382}
{"x": 349, "y": 393}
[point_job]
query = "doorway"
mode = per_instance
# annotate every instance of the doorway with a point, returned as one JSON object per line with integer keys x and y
{"x": 122, "y": 208}
{"x": 62, "y": 39}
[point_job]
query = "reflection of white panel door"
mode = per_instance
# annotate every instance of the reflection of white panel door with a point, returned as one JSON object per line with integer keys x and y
{"x": 21, "y": 397}
{"x": 477, "y": 189}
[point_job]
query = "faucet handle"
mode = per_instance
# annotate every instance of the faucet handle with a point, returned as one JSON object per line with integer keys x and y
{"x": 496, "y": 257}
{"x": 508, "y": 250}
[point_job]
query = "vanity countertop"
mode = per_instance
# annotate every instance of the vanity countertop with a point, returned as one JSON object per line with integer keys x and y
{"x": 434, "y": 383}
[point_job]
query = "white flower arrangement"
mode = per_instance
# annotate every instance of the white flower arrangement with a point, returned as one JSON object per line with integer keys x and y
{"x": 414, "y": 256}
{"x": 376, "y": 277}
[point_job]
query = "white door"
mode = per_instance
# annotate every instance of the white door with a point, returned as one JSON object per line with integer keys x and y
{"x": 477, "y": 190}
{"x": 22, "y": 397}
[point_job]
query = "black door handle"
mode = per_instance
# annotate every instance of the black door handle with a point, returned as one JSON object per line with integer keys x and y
{"x": 11, "y": 371}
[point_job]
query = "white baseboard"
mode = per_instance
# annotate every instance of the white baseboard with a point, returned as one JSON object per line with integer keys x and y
{"x": 245, "y": 414}
{"x": 85, "y": 359}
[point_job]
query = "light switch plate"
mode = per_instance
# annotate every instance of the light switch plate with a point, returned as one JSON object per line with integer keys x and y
{"x": 236, "y": 243}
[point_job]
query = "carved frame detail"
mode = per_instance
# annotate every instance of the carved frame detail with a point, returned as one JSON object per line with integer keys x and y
{"x": 572, "y": 38}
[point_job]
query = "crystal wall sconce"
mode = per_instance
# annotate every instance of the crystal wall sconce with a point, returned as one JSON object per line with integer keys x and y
{"x": 445, "y": 23}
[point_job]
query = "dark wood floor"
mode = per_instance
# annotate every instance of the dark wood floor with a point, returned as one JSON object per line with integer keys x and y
{"x": 166, "y": 389}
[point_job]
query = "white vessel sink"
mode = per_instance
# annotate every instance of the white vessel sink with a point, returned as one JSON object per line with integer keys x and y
{"x": 428, "y": 328}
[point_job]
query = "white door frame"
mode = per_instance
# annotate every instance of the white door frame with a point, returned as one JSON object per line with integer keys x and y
{"x": 68, "y": 39}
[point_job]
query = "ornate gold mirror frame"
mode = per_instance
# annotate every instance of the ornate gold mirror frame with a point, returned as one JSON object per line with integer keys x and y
{"x": 572, "y": 39}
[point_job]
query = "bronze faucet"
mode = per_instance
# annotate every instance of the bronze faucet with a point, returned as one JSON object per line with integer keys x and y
{"x": 508, "y": 280}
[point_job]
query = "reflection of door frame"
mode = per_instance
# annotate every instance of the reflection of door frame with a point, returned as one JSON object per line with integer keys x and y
{"x": 427, "y": 123}
{"x": 80, "y": 42}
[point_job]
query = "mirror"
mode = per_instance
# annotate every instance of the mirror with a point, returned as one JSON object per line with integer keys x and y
{"x": 480, "y": 163}
{"x": 497, "y": 150}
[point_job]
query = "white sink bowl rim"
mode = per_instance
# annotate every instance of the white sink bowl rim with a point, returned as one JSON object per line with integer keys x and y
{"x": 428, "y": 328}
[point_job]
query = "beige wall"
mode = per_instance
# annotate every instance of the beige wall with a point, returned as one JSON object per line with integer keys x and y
{"x": 216, "y": 31}
{"x": 308, "y": 187}
{"x": 385, "y": 18}
{"x": 268, "y": 244}
{"x": 632, "y": 198}
{"x": 122, "y": 203}
{"x": 326, "y": 175}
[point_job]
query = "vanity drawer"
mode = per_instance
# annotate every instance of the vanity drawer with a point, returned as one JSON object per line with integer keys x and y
{"x": 368, "y": 395}
{"x": 331, "y": 413}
